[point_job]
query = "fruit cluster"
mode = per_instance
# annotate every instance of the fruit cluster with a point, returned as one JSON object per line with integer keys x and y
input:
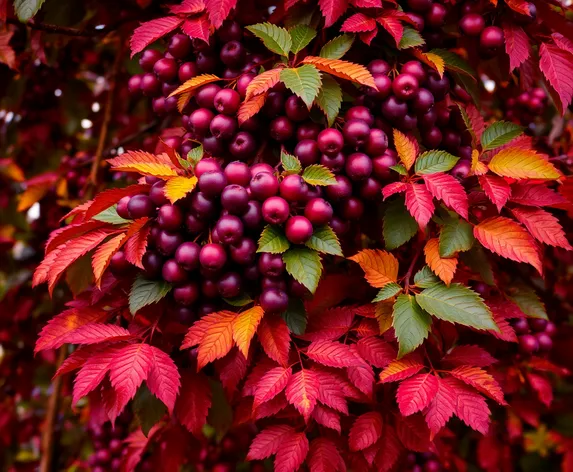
{"x": 424, "y": 462}
{"x": 534, "y": 335}
{"x": 108, "y": 446}
{"x": 526, "y": 106}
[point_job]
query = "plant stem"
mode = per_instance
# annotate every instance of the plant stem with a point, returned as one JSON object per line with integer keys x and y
{"x": 86, "y": 33}
{"x": 411, "y": 269}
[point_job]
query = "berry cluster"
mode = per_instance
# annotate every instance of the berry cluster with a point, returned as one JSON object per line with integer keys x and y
{"x": 224, "y": 455}
{"x": 108, "y": 446}
{"x": 77, "y": 170}
{"x": 425, "y": 462}
{"x": 534, "y": 335}
{"x": 526, "y": 106}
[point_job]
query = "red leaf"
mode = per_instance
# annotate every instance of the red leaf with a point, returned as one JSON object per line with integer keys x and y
{"x": 272, "y": 407}
{"x": 103, "y": 254}
{"x": 54, "y": 334}
{"x": 496, "y": 188}
{"x": 197, "y": 27}
{"x": 470, "y": 406}
{"x": 163, "y": 379}
{"x": 187, "y": 7}
{"x": 271, "y": 384}
{"x": 401, "y": 369}
{"x": 416, "y": 393}
{"x": 368, "y": 37}
{"x": 219, "y": 10}
{"x": 393, "y": 188}
{"x": 543, "y": 226}
{"x": 93, "y": 333}
{"x": 291, "y": 453}
{"x": 64, "y": 234}
{"x": 326, "y": 417}
{"x": 136, "y": 246}
{"x": 379, "y": 353}
{"x": 557, "y": 66}
{"x": 365, "y": 431}
{"x": 251, "y": 107}
{"x": 274, "y": 336}
{"x": 562, "y": 42}
{"x": 391, "y": 24}
{"x": 446, "y": 188}
{"x": 268, "y": 441}
{"x": 324, "y": 457}
{"x": 332, "y": 10}
{"x": 108, "y": 198}
{"x": 390, "y": 449}
{"x": 469, "y": 355}
{"x": 358, "y": 23}
{"x": 78, "y": 358}
{"x": 302, "y": 392}
{"x": 194, "y": 401}
{"x": 367, "y": 3}
{"x": 362, "y": 376}
{"x": 520, "y": 6}
{"x": 331, "y": 391}
{"x": 217, "y": 340}
{"x": 332, "y": 354}
{"x": 328, "y": 325}
{"x": 151, "y": 31}
{"x": 537, "y": 195}
{"x": 7, "y": 54}
{"x": 441, "y": 407}
{"x": 414, "y": 433}
{"x": 516, "y": 44}
{"x": 232, "y": 369}
{"x": 480, "y": 380}
{"x": 197, "y": 332}
{"x": 419, "y": 203}
{"x": 542, "y": 387}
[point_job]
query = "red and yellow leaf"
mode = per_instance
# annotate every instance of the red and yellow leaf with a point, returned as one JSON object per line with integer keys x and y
{"x": 250, "y": 108}
{"x": 145, "y": 163}
{"x": 102, "y": 256}
{"x": 302, "y": 392}
{"x": 480, "y": 380}
{"x": 543, "y": 226}
{"x": 263, "y": 82}
{"x": 343, "y": 69}
{"x": 523, "y": 164}
{"x": 219, "y": 10}
{"x": 274, "y": 336}
{"x": 496, "y": 189}
{"x": 136, "y": 246}
{"x": 401, "y": 369}
{"x": 406, "y": 148}
{"x": 194, "y": 83}
{"x": 380, "y": 267}
{"x": 217, "y": 340}
{"x": 448, "y": 189}
{"x": 444, "y": 268}
{"x": 245, "y": 326}
{"x": 178, "y": 187}
{"x": 376, "y": 351}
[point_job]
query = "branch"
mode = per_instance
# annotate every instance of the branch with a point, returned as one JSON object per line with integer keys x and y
{"x": 86, "y": 33}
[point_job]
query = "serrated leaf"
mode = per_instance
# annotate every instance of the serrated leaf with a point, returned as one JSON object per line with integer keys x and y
{"x": 145, "y": 292}
{"x": 499, "y": 133}
{"x": 419, "y": 202}
{"x": 110, "y": 216}
{"x": 448, "y": 189}
{"x": 304, "y": 81}
{"x": 245, "y": 325}
{"x": 400, "y": 169}
{"x": 496, "y": 189}
{"x": 329, "y": 98}
{"x": 263, "y": 82}
{"x": 194, "y": 156}
{"x": 457, "y": 304}
{"x": 273, "y": 240}
{"x": 305, "y": 266}
{"x": 455, "y": 63}
{"x": 191, "y": 85}
{"x": 543, "y": 226}
{"x": 411, "y": 324}
{"x": 177, "y": 188}
{"x": 295, "y": 316}
{"x": 388, "y": 291}
{"x": 144, "y": 163}
{"x": 324, "y": 240}
{"x": 477, "y": 260}
{"x": 516, "y": 44}
{"x": 399, "y": 226}
{"x": 302, "y": 392}
{"x": 406, "y": 148}
{"x": 26, "y": 9}
{"x": 522, "y": 164}
{"x": 239, "y": 301}
{"x": 557, "y": 67}
{"x": 444, "y": 268}
{"x": 410, "y": 39}
{"x": 469, "y": 405}
{"x": 275, "y": 39}
{"x": 150, "y": 31}
{"x": 251, "y": 107}
{"x": 148, "y": 409}
{"x": 456, "y": 236}
{"x": 380, "y": 267}
{"x": 290, "y": 163}
{"x": 431, "y": 162}
{"x": 301, "y": 36}
{"x": 425, "y": 278}
{"x": 365, "y": 431}
{"x": 416, "y": 393}
{"x": 317, "y": 174}
{"x": 528, "y": 301}
{"x": 332, "y": 10}
{"x": 343, "y": 69}
{"x": 336, "y": 48}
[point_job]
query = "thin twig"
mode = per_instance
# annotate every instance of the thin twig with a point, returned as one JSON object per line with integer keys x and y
{"x": 107, "y": 113}
{"x": 86, "y": 33}
{"x": 131, "y": 137}
{"x": 51, "y": 414}
{"x": 411, "y": 269}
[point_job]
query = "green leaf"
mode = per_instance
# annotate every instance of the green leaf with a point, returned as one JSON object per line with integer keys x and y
{"x": 336, "y": 48}
{"x": 148, "y": 409}
{"x": 329, "y": 98}
{"x": 411, "y": 324}
{"x": 301, "y": 36}
{"x": 400, "y": 169}
{"x": 193, "y": 157}
{"x": 425, "y": 278}
{"x": 388, "y": 291}
{"x": 240, "y": 300}
{"x": 145, "y": 292}
{"x": 467, "y": 122}
{"x": 498, "y": 134}
{"x": 303, "y": 81}
{"x": 455, "y": 236}
{"x": 431, "y": 162}
{"x": 324, "y": 240}
{"x": 477, "y": 260}
{"x": 410, "y": 39}
{"x": 79, "y": 276}
{"x": 304, "y": 265}
{"x": 457, "y": 304}
{"x": 111, "y": 216}
{"x": 470, "y": 85}
{"x": 220, "y": 416}
{"x": 528, "y": 301}
{"x": 275, "y": 39}
{"x": 290, "y": 163}
{"x": 273, "y": 240}
{"x": 26, "y": 9}
{"x": 295, "y": 316}
{"x": 317, "y": 174}
{"x": 399, "y": 226}
{"x": 454, "y": 63}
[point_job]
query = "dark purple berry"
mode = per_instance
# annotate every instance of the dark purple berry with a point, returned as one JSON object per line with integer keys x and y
{"x": 298, "y": 229}
{"x": 170, "y": 217}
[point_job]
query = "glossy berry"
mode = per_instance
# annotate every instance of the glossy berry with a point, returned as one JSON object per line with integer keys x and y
{"x": 207, "y": 165}
{"x": 307, "y": 152}
{"x": 379, "y": 67}
{"x": 295, "y": 109}
{"x": 150, "y": 85}
{"x": 432, "y": 137}
{"x": 152, "y": 263}
{"x": 275, "y": 210}
{"x": 271, "y": 265}
{"x": 230, "y": 31}
{"x": 537, "y": 324}
{"x": 528, "y": 344}
{"x": 359, "y": 113}
{"x": 370, "y": 189}
{"x": 187, "y": 71}
{"x": 223, "y": 127}
{"x": 187, "y": 255}
{"x": 544, "y": 341}
{"x": 238, "y": 173}
{"x": 233, "y": 54}
{"x": 180, "y": 46}
{"x": 235, "y": 199}
{"x": 134, "y": 84}
{"x": 340, "y": 190}
{"x": 261, "y": 167}
{"x": 339, "y": 226}
{"x": 461, "y": 170}
{"x": 273, "y": 301}
{"x": 352, "y": 208}
{"x": 227, "y": 101}
{"x": 384, "y": 86}
{"x": 491, "y": 37}
{"x": 173, "y": 272}
{"x": 521, "y": 326}
{"x": 140, "y": 206}
{"x": 122, "y": 207}
{"x": 187, "y": 294}
{"x": 356, "y": 132}
{"x": 149, "y": 58}
{"x": 169, "y": 217}
{"x": 472, "y": 24}
{"x": 205, "y": 96}
{"x": 394, "y": 109}
{"x": 253, "y": 217}
{"x": 405, "y": 86}
{"x": 212, "y": 256}
{"x": 436, "y": 16}
{"x": 200, "y": 121}
{"x": 243, "y": 145}
{"x": 229, "y": 229}
{"x": 119, "y": 265}
{"x": 281, "y": 129}
{"x": 358, "y": 166}
{"x": 420, "y": 5}
{"x": 307, "y": 130}
{"x": 243, "y": 252}
{"x": 277, "y": 283}
{"x": 298, "y": 229}
{"x": 334, "y": 163}
{"x": 330, "y": 141}
{"x": 202, "y": 206}
{"x": 168, "y": 242}
{"x": 416, "y": 69}
{"x": 293, "y": 188}
{"x": 264, "y": 185}
{"x": 165, "y": 69}
{"x": 381, "y": 165}
{"x": 423, "y": 101}
{"x": 229, "y": 285}
{"x": 376, "y": 143}
{"x": 243, "y": 83}
{"x": 212, "y": 183}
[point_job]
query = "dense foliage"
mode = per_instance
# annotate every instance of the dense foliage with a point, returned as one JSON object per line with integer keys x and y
{"x": 325, "y": 236}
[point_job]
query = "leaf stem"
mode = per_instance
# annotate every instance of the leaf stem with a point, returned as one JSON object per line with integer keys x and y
{"x": 411, "y": 269}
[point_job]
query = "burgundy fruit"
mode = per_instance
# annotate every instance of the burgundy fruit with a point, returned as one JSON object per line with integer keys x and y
{"x": 298, "y": 229}
{"x": 293, "y": 188}
{"x": 140, "y": 206}
{"x": 275, "y": 210}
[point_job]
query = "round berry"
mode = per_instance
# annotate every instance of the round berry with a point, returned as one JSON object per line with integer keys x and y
{"x": 358, "y": 166}
{"x": 432, "y": 137}
{"x": 170, "y": 217}
{"x": 318, "y": 211}
{"x": 205, "y": 96}
{"x": 528, "y": 344}
{"x": 537, "y": 324}
{"x": 376, "y": 143}
{"x": 202, "y": 206}
{"x": 277, "y": 283}
{"x": 235, "y": 199}
{"x": 393, "y": 109}
{"x": 341, "y": 190}
{"x": 439, "y": 86}
{"x": 264, "y": 185}
{"x": 370, "y": 189}
{"x": 165, "y": 69}
{"x": 352, "y": 208}
{"x": 150, "y": 85}
{"x": 521, "y": 326}
{"x": 187, "y": 294}
{"x": 274, "y": 301}
{"x": 293, "y": 188}
{"x": 187, "y": 71}
{"x": 140, "y": 206}
{"x": 253, "y": 217}
{"x": 423, "y": 101}
{"x": 436, "y": 16}
{"x": 229, "y": 285}
{"x": 295, "y": 109}
{"x": 544, "y": 341}
{"x": 243, "y": 83}
{"x": 206, "y": 62}
{"x": 461, "y": 170}
{"x": 168, "y": 242}
{"x": 244, "y": 251}
{"x": 356, "y": 132}
{"x": 339, "y": 226}
{"x": 119, "y": 265}
{"x": 359, "y": 113}
{"x": 223, "y": 127}
{"x": 379, "y": 67}
{"x": 212, "y": 256}
{"x": 173, "y": 272}
{"x": 243, "y": 145}
{"x": 472, "y": 24}
{"x": 122, "y": 207}
{"x": 281, "y": 129}
{"x": 238, "y": 173}
{"x": 212, "y": 183}
{"x": 384, "y": 86}
{"x": 330, "y": 141}
{"x": 271, "y": 265}
{"x": 298, "y": 229}
{"x": 307, "y": 152}
{"x": 187, "y": 255}
{"x": 230, "y": 31}
{"x": 180, "y": 46}
{"x": 200, "y": 121}
{"x": 381, "y": 165}
{"x": 275, "y": 210}
{"x": 334, "y": 163}
{"x": 405, "y": 86}
{"x": 491, "y": 37}
{"x": 152, "y": 263}
{"x": 149, "y": 58}
{"x": 416, "y": 69}
{"x": 308, "y": 130}
{"x": 227, "y": 101}
{"x": 233, "y": 54}
{"x": 134, "y": 84}
{"x": 229, "y": 229}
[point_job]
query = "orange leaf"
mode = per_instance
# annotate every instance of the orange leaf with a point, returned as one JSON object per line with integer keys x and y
{"x": 104, "y": 253}
{"x": 406, "y": 149}
{"x": 442, "y": 267}
{"x": 194, "y": 83}
{"x": 251, "y": 107}
{"x": 523, "y": 164}
{"x": 31, "y": 195}
{"x": 145, "y": 163}
{"x": 543, "y": 226}
{"x": 433, "y": 60}
{"x": 401, "y": 369}
{"x": 343, "y": 69}
{"x": 178, "y": 187}
{"x": 197, "y": 332}
{"x": 508, "y": 239}
{"x": 274, "y": 336}
{"x": 245, "y": 325}
{"x": 263, "y": 82}
{"x": 217, "y": 341}
{"x": 302, "y": 391}
{"x": 480, "y": 380}
{"x": 478, "y": 167}
{"x": 380, "y": 267}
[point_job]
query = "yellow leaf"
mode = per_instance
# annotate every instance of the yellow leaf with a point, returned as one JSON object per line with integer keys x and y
{"x": 11, "y": 170}
{"x": 104, "y": 253}
{"x": 183, "y": 100}
{"x": 251, "y": 107}
{"x": 194, "y": 83}
{"x": 380, "y": 267}
{"x": 433, "y": 60}
{"x": 343, "y": 69}
{"x": 383, "y": 313}
{"x": 444, "y": 268}
{"x": 406, "y": 149}
{"x": 523, "y": 164}
{"x": 145, "y": 163}
{"x": 32, "y": 195}
{"x": 478, "y": 167}
{"x": 177, "y": 187}
{"x": 245, "y": 326}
